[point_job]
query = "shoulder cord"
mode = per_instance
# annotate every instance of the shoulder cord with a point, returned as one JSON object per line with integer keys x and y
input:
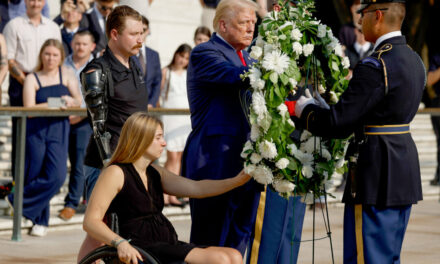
{"x": 384, "y": 48}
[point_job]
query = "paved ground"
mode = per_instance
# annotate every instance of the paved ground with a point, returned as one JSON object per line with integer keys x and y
{"x": 421, "y": 245}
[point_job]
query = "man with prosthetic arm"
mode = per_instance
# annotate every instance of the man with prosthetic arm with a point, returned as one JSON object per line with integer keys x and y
{"x": 380, "y": 102}
{"x": 113, "y": 89}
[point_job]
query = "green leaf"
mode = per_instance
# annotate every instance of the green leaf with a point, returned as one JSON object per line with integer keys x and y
{"x": 274, "y": 77}
{"x": 284, "y": 79}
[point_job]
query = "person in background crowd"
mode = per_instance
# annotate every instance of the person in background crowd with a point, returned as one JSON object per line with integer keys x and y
{"x": 17, "y": 8}
{"x": 126, "y": 94}
{"x": 83, "y": 45}
{"x": 24, "y": 37}
{"x": 83, "y": 6}
{"x": 434, "y": 81}
{"x": 347, "y": 36}
{"x": 381, "y": 100}
{"x": 208, "y": 12}
{"x": 201, "y": 35}
{"x": 220, "y": 128}
{"x": 177, "y": 128}
{"x": 149, "y": 62}
{"x": 3, "y": 62}
{"x": 97, "y": 20}
{"x": 46, "y": 137}
{"x": 72, "y": 16}
{"x": 132, "y": 187}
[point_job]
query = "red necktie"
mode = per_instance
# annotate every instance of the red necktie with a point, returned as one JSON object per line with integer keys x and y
{"x": 240, "y": 54}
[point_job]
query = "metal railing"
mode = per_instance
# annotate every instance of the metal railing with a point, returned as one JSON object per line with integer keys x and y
{"x": 21, "y": 113}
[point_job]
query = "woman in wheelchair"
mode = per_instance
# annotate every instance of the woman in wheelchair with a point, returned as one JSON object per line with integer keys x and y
{"x": 132, "y": 187}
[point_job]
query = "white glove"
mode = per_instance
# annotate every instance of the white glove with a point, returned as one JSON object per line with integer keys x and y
{"x": 303, "y": 101}
{"x": 321, "y": 101}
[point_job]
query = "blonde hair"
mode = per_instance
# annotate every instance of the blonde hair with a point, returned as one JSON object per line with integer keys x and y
{"x": 50, "y": 43}
{"x": 229, "y": 8}
{"x": 136, "y": 136}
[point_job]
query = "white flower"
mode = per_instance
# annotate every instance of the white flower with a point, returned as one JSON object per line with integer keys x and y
{"x": 282, "y": 109}
{"x": 332, "y": 45}
{"x": 322, "y": 31}
{"x": 282, "y": 163}
{"x": 326, "y": 154}
{"x": 256, "y": 52}
{"x": 308, "y": 49}
{"x": 282, "y": 37}
{"x": 255, "y": 74}
{"x": 268, "y": 150}
{"x": 335, "y": 66}
{"x": 249, "y": 168}
{"x": 333, "y": 97}
{"x": 307, "y": 171}
{"x": 259, "y": 84}
{"x": 276, "y": 61}
{"x": 290, "y": 122}
{"x": 296, "y": 34}
{"x": 311, "y": 145}
{"x": 304, "y": 158}
{"x": 321, "y": 89}
{"x": 247, "y": 146}
{"x": 259, "y": 103}
{"x": 297, "y": 48}
{"x": 255, "y": 132}
{"x": 262, "y": 174}
{"x": 260, "y": 42}
{"x": 268, "y": 48}
{"x": 293, "y": 82}
{"x": 338, "y": 50}
{"x": 283, "y": 186}
{"x": 305, "y": 135}
{"x": 255, "y": 79}
{"x": 330, "y": 33}
{"x": 340, "y": 163}
{"x": 292, "y": 148}
{"x": 345, "y": 63}
{"x": 255, "y": 158}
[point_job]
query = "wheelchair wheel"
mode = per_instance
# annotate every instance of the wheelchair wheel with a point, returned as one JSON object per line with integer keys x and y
{"x": 109, "y": 255}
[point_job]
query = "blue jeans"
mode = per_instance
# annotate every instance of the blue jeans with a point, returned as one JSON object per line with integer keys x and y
{"x": 78, "y": 140}
{"x": 91, "y": 175}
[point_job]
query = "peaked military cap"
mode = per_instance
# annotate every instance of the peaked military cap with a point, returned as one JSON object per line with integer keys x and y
{"x": 367, "y": 3}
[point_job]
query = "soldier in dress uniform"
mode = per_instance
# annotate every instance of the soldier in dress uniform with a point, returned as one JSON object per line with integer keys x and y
{"x": 378, "y": 106}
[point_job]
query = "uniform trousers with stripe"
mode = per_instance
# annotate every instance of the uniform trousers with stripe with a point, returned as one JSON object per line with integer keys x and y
{"x": 374, "y": 235}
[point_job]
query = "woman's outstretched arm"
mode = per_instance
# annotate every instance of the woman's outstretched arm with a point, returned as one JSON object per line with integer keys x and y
{"x": 180, "y": 186}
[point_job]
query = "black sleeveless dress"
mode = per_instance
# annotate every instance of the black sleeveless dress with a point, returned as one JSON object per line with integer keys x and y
{"x": 140, "y": 215}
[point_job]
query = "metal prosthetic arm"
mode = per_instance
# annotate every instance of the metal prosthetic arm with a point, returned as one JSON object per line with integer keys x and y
{"x": 95, "y": 96}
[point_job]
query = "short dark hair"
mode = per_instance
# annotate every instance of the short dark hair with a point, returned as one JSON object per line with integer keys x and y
{"x": 85, "y": 32}
{"x": 116, "y": 19}
{"x": 202, "y": 30}
{"x": 145, "y": 21}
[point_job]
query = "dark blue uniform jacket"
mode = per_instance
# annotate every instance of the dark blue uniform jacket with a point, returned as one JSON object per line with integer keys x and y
{"x": 388, "y": 172}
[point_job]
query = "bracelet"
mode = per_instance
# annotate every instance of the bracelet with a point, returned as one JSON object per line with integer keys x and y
{"x": 115, "y": 243}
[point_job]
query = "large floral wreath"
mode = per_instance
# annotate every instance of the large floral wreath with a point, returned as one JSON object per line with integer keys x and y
{"x": 293, "y": 50}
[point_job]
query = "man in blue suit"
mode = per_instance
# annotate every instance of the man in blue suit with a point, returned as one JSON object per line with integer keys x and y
{"x": 149, "y": 62}
{"x": 220, "y": 129}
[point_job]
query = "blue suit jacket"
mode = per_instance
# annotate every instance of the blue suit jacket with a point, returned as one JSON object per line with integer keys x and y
{"x": 219, "y": 125}
{"x": 153, "y": 75}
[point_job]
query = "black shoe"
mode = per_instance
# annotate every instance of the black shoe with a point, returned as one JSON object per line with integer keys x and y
{"x": 434, "y": 182}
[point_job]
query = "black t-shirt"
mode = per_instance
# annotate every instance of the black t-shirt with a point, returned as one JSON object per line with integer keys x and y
{"x": 130, "y": 96}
